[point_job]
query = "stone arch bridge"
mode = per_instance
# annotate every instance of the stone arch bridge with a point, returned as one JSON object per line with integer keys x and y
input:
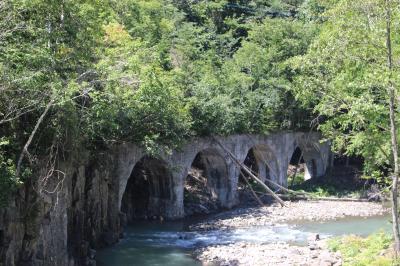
{"x": 160, "y": 189}
{"x": 102, "y": 191}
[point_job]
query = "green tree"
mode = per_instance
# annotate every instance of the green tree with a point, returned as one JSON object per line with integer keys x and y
{"x": 349, "y": 76}
{"x": 44, "y": 47}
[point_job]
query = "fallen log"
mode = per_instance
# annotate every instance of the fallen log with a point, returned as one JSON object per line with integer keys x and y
{"x": 249, "y": 172}
{"x": 251, "y": 189}
{"x": 289, "y": 191}
{"x": 304, "y": 197}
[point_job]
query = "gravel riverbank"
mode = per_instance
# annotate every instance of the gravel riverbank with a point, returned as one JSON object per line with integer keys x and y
{"x": 295, "y": 211}
{"x": 250, "y": 254}
{"x": 245, "y": 253}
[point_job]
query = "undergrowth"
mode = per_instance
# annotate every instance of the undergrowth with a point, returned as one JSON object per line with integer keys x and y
{"x": 343, "y": 184}
{"x": 373, "y": 250}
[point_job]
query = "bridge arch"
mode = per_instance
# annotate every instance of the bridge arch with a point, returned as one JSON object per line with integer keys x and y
{"x": 275, "y": 152}
{"x": 265, "y": 160}
{"x": 307, "y": 153}
{"x": 149, "y": 190}
{"x": 253, "y": 160}
{"x": 209, "y": 174}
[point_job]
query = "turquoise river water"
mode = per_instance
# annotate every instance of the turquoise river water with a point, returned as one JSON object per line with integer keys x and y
{"x": 171, "y": 243}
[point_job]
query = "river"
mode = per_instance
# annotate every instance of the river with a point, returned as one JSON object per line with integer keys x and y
{"x": 171, "y": 243}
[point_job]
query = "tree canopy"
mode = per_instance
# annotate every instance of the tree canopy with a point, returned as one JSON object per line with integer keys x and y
{"x": 158, "y": 72}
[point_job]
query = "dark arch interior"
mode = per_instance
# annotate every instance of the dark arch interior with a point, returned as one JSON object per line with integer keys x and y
{"x": 296, "y": 168}
{"x": 251, "y": 162}
{"x": 148, "y": 191}
{"x": 297, "y": 157}
{"x": 206, "y": 184}
{"x": 255, "y": 162}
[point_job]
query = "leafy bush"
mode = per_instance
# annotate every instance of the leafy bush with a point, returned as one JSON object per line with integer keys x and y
{"x": 357, "y": 251}
{"x": 297, "y": 179}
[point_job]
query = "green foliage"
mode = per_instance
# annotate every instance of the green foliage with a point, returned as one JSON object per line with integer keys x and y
{"x": 340, "y": 185}
{"x": 157, "y": 72}
{"x": 359, "y": 251}
{"x": 344, "y": 78}
{"x": 44, "y": 47}
{"x": 297, "y": 179}
{"x": 249, "y": 92}
{"x": 315, "y": 10}
{"x": 153, "y": 111}
{"x": 8, "y": 181}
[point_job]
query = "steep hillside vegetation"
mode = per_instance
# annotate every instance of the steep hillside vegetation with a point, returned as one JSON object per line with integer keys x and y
{"x": 95, "y": 73}
{"x": 154, "y": 72}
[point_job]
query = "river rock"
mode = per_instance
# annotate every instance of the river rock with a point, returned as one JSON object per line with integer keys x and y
{"x": 295, "y": 211}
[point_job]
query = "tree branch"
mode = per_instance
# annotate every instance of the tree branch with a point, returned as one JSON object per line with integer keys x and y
{"x": 25, "y": 149}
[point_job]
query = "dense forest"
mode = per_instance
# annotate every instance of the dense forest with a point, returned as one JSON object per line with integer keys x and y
{"x": 95, "y": 73}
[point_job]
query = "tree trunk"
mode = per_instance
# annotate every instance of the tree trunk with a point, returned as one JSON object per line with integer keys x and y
{"x": 251, "y": 189}
{"x": 393, "y": 131}
{"x": 26, "y": 146}
{"x": 395, "y": 216}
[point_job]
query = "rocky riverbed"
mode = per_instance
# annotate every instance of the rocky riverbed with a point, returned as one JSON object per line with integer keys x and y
{"x": 294, "y": 211}
{"x": 281, "y": 254}
{"x": 246, "y": 253}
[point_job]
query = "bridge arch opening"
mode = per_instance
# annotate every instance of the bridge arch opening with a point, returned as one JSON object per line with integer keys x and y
{"x": 207, "y": 183}
{"x": 257, "y": 164}
{"x": 300, "y": 170}
{"x": 251, "y": 161}
{"x": 149, "y": 190}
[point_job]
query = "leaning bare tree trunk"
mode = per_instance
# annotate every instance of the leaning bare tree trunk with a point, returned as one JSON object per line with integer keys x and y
{"x": 248, "y": 171}
{"x": 393, "y": 132}
{"x": 26, "y": 146}
{"x": 251, "y": 189}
